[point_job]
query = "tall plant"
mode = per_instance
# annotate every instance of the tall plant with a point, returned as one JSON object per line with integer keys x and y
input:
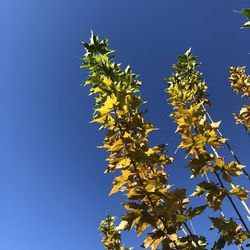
{"x": 151, "y": 203}
{"x": 201, "y": 140}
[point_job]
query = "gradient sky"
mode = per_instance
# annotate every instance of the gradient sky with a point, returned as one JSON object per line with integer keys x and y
{"x": 53, "y": 192}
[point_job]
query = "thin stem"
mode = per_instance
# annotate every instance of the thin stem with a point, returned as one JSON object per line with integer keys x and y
{"x": 186, "y": 234}
{"x": 221, "y": 211}
{"x": 192, "y": 226}
{"x": 232, "y": 202}
{"x": 175, "y": 244}
{"x": 232, "y": 185}
{"x": 228, "y": 196}
{"x": 227, "y": 143}
{"x": 191, "y": 234}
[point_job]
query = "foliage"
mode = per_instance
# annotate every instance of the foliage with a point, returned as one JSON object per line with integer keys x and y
{"x": 151, "y": 202}
{"x": 230, "y": 232}
{"x": 111, "y": 235}
{"x": 188, "y": 97}
{"x": 240, "y": 83}
{"x": 246, "y": 13}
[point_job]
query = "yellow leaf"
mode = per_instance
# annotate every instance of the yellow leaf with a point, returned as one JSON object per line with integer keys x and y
{"x": 122, "y": 225}
{"x": 107, "y": 80}
{"x": 120, "y": 181}
{"x": 116, "y": 146}
{"x": 124, "y": 163}
{"x": 219, "y": 162}
{"x": 117, "y": 184}
{"x": 215, "y": 125}
{"x": 150, "y": 151}
{"x": 108, "y": 105}
{"x": 152, "y": 242}
{"x": 150, "y": 187}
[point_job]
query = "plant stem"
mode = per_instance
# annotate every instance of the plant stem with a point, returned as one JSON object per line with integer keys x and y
{"x": 228, "y": 196}
{"x": 191, "y": 234}
{"x": 232, "y": 202}
{"x": 227, "y": 143}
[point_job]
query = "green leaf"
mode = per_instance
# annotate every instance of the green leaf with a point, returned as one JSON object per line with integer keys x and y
{"x": 246, "y": 13}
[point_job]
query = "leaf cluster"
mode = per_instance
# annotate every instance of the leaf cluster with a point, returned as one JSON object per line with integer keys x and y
{"x": 246, "y": 13}
{"x": 230, "y": 232}
{"x": 111, "y": 235}
{"x": 240, "y": 83}
{"x": 151, "y": 201}
{"x": 151, "y": 204}
{"x": 188, "y": 97}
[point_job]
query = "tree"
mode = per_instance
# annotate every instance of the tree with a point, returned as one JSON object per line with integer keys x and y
{"x": 151, "y": 202}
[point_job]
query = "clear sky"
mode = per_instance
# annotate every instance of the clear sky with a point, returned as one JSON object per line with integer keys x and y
{"x": 53, "y": 192}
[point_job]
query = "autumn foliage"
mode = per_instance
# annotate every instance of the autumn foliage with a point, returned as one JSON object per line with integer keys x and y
{"x": 240, "y": 83}
{"x": 141, "y": 175}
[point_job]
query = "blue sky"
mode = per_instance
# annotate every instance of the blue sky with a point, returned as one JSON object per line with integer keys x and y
{"x": 53, "y": 192}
